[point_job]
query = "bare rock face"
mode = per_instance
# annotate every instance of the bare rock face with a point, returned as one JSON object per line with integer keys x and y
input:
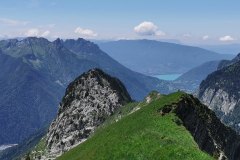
{"x": 88, "y": 101}
{"x": 221, "y": 92}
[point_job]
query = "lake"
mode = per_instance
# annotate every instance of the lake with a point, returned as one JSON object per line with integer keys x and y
{"x": 167, "y": 77}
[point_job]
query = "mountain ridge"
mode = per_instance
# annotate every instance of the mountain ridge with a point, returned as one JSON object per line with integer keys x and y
{"x": 95, "y": 111}
{"x": 153, "y": 57}
{"x": 220, "y": 91}
{"x": 45, "y": 69}
{"x": 168, "y": 114}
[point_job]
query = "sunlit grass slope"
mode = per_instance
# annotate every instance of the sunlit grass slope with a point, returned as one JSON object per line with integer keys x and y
{"x": 142, "y": 135}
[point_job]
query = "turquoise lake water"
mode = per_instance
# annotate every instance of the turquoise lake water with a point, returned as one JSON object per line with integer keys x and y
{"x": 168, "y": 77}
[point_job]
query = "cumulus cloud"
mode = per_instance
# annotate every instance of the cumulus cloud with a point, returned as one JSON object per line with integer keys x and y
{"x": 205, "y": 37}
{"x": 148, "y": 29}
{"x": 35, "y": 32}
{"x": 226, "y": 38}
{"x": 85, "y": 32}
{"x": 12, "y": 22}
{"x": 45, "y": 34}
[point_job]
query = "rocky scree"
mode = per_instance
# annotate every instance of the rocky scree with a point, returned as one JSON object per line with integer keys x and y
{"x": 88, "y": 101}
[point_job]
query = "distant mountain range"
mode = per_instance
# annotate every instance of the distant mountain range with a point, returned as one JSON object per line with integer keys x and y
{"x": 28, "y": 100}
{"x": 233, "y": 49}
{"x": 35, "y": 72}
{"x": 154, "y": 57}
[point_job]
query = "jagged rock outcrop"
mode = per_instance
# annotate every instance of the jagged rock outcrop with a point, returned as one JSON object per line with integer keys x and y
{"x": 210, "y": 134}
{"x": 221, "y": 92}
{"x": 88, "y": 101}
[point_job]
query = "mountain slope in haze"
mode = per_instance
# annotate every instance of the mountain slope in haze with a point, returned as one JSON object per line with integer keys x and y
{"x": 191, "y": 80}
{"x": 221, "y": 92}
{"x": 32, "y": 82}
{"x": 27, "y": 100}
{"x": 154, "y": 57}
{"x": 35, "y": 72}
{"x": 223, "y": 48}
{"x": 50, "y": 58}
{"x": 225, "y": 63}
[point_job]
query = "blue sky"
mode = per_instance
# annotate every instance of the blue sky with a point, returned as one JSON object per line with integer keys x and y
{"x": 190, "y": 21}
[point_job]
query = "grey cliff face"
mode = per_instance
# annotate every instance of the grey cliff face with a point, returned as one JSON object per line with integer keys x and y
{"x": 221, "y": 92}
{"x": 219, "y": 99}
{"x": 88, "y": 101}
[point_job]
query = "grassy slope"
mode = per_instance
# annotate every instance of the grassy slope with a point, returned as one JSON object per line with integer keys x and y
{"x": 144, "y": 134}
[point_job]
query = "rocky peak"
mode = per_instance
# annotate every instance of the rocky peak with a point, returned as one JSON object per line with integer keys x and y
{"x": 88, "y": 101}
{"x": 33, "y": 41}
{"x": 26, "y": 46}
{"x": 58, "y": 43}
{"x": 82, "y": 45}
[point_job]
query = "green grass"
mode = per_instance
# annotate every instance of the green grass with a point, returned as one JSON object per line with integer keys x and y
{"x": 142, "y": 135}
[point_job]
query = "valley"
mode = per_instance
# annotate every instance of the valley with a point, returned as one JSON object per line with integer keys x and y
{"x": 161, "y": 126}
{"x": 119, "y": 80}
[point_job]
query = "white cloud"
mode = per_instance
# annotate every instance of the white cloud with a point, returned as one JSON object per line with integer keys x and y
{"x": 45, "y": 34}
{"x": 205, "y": 37}
{"x": 148, "y": 29}
{"x": 35, "y": 32}
{"x": 226, "y": 38}
{"x": 12, "y": 22}
{"x": 160, "y": 33}
{"x": 85, "y": 32}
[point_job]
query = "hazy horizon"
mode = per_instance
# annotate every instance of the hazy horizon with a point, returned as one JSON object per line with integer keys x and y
{"x": 189, "y": 22}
